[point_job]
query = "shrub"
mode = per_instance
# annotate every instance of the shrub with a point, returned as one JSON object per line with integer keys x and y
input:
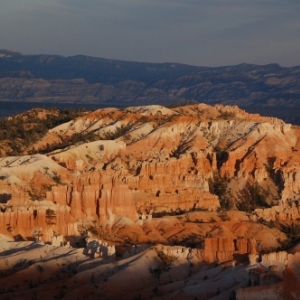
{"x": 40, "y": 268}
{"x": 24, "y": 130}
{"x": 252, "y": 197}
{"x": 119, "y": 131}
{"x": 50, "y": 216}
{"x": 56, "y": 177}
{"x": 219, "y": 186}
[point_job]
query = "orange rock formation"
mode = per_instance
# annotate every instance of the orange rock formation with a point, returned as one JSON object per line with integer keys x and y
{"x": 157, "y": 160}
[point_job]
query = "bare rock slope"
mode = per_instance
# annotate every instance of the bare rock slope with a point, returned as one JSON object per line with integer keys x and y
{"x": 220, "y": 181}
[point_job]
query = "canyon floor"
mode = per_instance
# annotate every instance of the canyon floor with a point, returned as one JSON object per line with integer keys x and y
{"x": 34, "y": 270}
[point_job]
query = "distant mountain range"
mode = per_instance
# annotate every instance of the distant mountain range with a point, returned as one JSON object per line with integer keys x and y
{"x": 267, "y": 89}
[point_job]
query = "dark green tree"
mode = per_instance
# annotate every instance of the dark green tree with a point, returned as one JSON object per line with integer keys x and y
{"x": 218, "y": 185}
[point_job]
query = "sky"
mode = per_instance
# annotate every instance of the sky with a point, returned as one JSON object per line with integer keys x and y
{"x": 195, "y": 32}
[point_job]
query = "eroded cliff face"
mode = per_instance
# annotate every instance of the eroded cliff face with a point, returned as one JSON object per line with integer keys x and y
{"x": 150, "y": 160}
{"x": 276, "y": 276}
{"x": 96, "y": 198}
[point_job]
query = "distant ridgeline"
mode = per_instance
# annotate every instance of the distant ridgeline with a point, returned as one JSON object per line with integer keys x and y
{"x": 12, "y": 108}
{"x": 268, "y": 89}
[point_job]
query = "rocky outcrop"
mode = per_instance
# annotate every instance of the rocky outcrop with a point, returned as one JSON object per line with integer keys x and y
{"x": 38, "y": 221}
{"x": 96, "y": 198}
{"x": 97, "y": 248}
{"x": 215, "y": 250}
{"x": 278, "y": 213}
{"x": 227, "y": 249}
{"x": 273, "y": 276}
